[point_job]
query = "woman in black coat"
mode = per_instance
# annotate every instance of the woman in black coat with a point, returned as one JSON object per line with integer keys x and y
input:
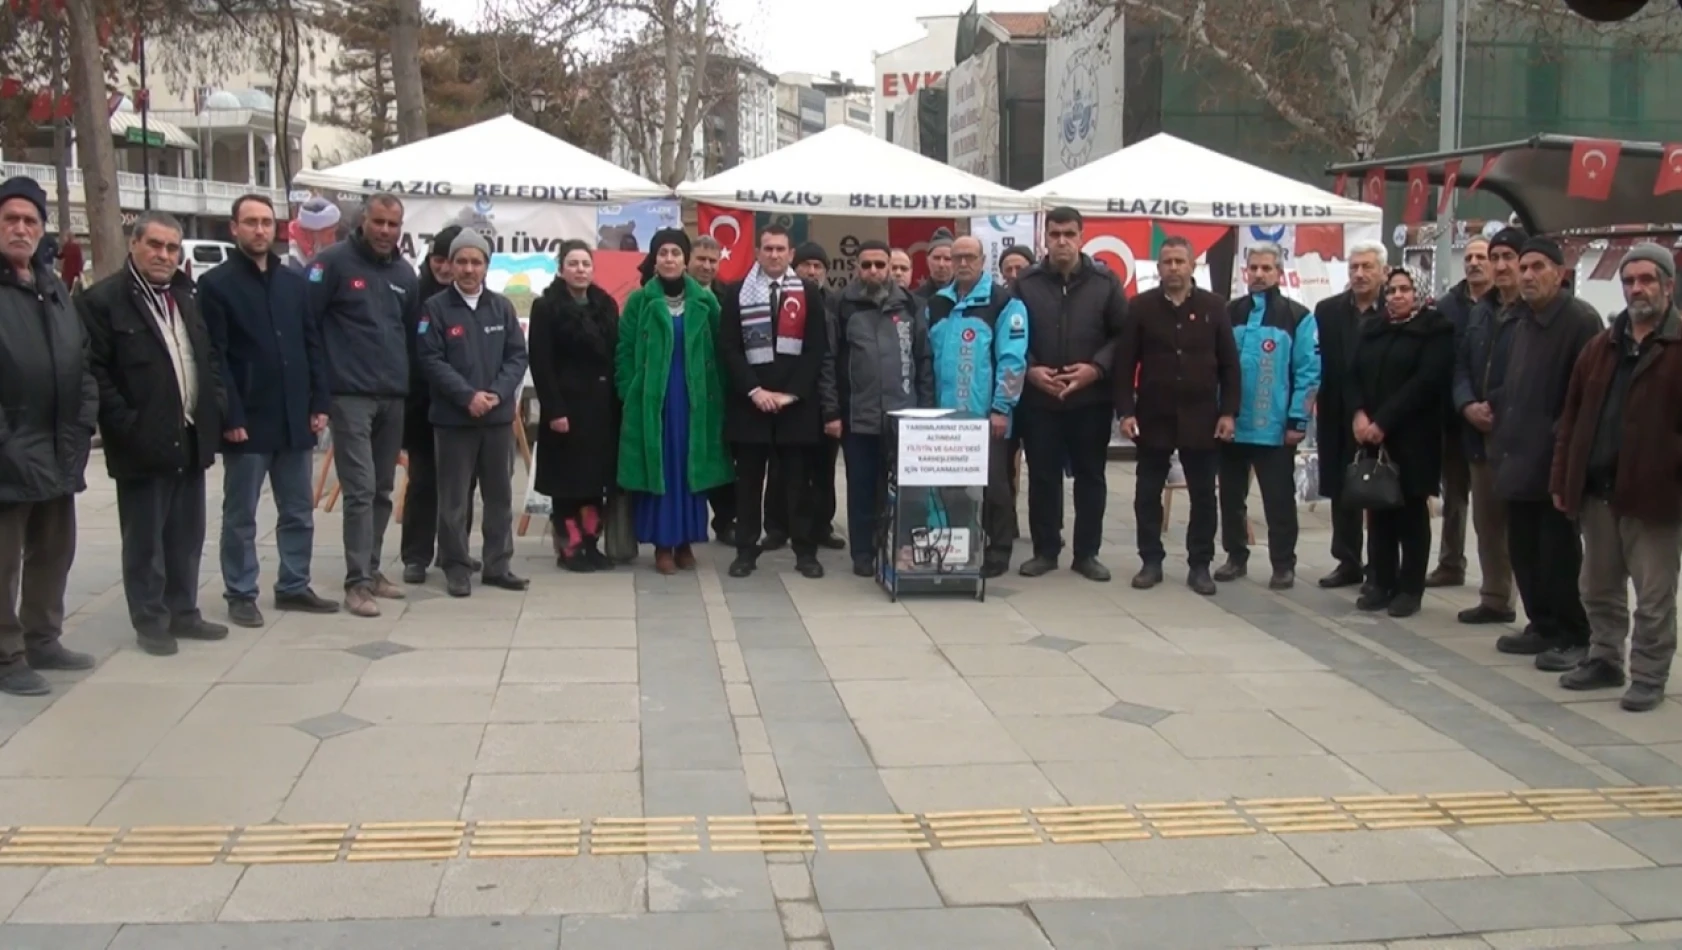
{"x": 1402, "y": 365}
{"x": 574, "y": 329}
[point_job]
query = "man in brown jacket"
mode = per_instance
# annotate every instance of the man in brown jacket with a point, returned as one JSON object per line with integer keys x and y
{"x": 1177, "y": 388}
{"x": 1625, "y": 395}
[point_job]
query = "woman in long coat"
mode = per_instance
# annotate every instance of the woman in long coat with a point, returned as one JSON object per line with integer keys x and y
{"x": 574, "y": 333}
{"x": 1402, "y": 365}
{"x": 671, "y": 443}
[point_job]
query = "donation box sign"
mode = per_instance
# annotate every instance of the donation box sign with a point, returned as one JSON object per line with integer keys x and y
{"x": 948, "y": 452}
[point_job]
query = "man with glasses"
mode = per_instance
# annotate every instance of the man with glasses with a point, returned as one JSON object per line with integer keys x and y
{"x": 1076, "y": 313}
{"x": 161, "y": 407}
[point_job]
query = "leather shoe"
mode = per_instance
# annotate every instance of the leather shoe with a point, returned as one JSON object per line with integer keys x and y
{"x": 1200, "y": 582}
{"x": 1593, "y": 674}
{"x": 1404, "y": 605}
{"x": 507, "y": 581}
{"x": 864, "y": 567}
{"x": 1149, "y": 576}
{"x": 833, "y": 542}
{"x": 306, "y": 601}
{"x": 158, "y": 644}
{"x": 992, "y": 566}
{"x": 808, "y": 567}
{"x": 1482, "y": 614}
{"x": 1374, "y": 601}
{"x": 198, "y": 628}
{"x": 773, "y": 542}
{"x": 1230, "y": 571}
{"x": 1526, "y": 643}
{"x": 1091, "y": 569}
{"x": 458, "y": 586}
{"x": 1283, "y": 579}
{"x": 1642, "y": 697}
{"x": 53, "y": 656}
{"x": 414, "y": 573}
{"x": 23, "y": 681}
{"x": 1443, "y": 577}
{"x": 1561, "y": 659}
{"x": 1346, "y": 575}
{"x": 743, "y": 566}
{"x": 244, "y": 613}
{"x": 1037, "y": 566}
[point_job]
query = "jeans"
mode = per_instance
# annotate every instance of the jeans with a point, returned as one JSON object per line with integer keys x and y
{"x": 290, "y": 479}
{"x": 863, "y": 455}
{"x": 161, "y": 518}
{"x": 1547, "y": 555}
{"x": 467, "y": 454}
{"x": 1399, "y": 544}
{"x": 1275, "y": 471}
{"x": 1199, "y": 467}
{"x": 367, "y": 438}
{"x": 1079, "y": 438}
{"x": 37, "y": 547}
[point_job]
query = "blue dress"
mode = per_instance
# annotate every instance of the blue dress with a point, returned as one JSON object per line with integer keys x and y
{"x": 679, "y": 516}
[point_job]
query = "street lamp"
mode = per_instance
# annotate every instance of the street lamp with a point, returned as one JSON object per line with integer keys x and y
{"x": 539, "y": 101}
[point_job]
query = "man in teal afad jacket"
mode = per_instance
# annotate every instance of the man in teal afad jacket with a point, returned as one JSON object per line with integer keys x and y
{"x": 1279, "y": 359}
{"x": 978, "y": 333}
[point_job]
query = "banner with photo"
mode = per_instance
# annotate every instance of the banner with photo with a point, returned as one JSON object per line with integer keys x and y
{"x": 629, "y": 227}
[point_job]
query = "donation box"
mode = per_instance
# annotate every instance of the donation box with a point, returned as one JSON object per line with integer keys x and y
{"x": 929, "y": 536}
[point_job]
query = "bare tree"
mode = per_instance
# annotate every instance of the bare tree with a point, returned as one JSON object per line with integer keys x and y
{"x": 1349, "y": 74}
{"x": 406, "y": 72}
{"x": 96, "y": 153}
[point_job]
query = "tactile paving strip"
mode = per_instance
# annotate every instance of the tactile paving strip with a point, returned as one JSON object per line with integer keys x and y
{"x": 197, "y": 845}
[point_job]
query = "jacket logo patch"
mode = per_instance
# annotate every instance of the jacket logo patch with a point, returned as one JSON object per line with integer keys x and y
{"x": 358, "y": 283}
{"x": 457, "y": 332}
{"x": 969, "y": 335}
{"x": 1268, "y": 346}
{"x": 317, "y": 273}
{"x": 424, "y": 326}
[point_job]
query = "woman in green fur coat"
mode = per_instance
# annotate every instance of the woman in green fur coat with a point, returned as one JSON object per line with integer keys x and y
{"x": 671, "y": 444}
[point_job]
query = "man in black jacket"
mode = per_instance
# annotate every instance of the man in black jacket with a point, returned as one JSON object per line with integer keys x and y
{"x": 420, "y": 483}
{"x": 1339, "y": 320}
{"x": 474, "y": 356}
{"x": 275, "y": 378}
{"x": 48, "y": 406}
{"x": 1457, "y": 305}
{"x": 771, "y": 336}
{"x": 161, "y": 407}
{"x": 1076, "y": 312}
{"x": 1480, "y": 367}
{"x": 364, "y": 296}
{"x": 1553, "y": 327}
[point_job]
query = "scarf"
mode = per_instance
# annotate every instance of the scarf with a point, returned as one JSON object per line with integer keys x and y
{"x": 763, "y": 340}
{"x": 160, "y": 303}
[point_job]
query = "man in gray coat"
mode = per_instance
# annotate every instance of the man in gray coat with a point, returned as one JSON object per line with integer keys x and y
{"x": 48, "y": 406}
{"x": 473, "y": 355}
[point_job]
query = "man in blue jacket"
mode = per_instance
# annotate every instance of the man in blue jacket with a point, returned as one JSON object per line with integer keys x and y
{"x": 978, "y": 333}
{"x": 1279, "y": 360}
{"x": 275, "y": 377}
{"x": 364, "y": 295}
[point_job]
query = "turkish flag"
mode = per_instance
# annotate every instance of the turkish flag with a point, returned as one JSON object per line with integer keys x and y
{"x": 66, "y": 107}
{"x": 913, "y": 235}
{"x": 1119, "y": 244}
{"x": 733, "y": 230}
{"x": 1594, "y": 163}
{"x": 1372, "y": 189}
{"x": 1670, "y": 170}
{"x": 1341, "y": 183}
{"x": 1488, "y": 164}
{"x": 1419, "y": 195}
{"x": 1325, "y": 240}
{"x": 41, "y": 109}
{"x": 1451, "y": 177}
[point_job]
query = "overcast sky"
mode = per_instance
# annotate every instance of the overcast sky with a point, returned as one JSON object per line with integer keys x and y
{"x": 816, "y": 37}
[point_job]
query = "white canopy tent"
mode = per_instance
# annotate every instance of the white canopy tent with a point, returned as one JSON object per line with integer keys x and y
{"x": 843, "y": 171}
{"x": 1171, "y": 179}
{"x": 501, "y": 158}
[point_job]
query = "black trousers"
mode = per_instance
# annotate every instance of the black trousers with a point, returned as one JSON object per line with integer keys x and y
{"x": 819, "y": 482}
{"x": 1275, "y": 471}
{"x": 1079, "y": 436}
{"x": 1348, "y": 523}
{"x": 723, "y": 502}
{"x": 162, "y": 522}
{"x": 1547, "y": 556}
{"x": 420, "y": 506}
{"x": 1199, "y": 466}
{"x": 1399, "y": 547}
{"x": 785, "y": 495}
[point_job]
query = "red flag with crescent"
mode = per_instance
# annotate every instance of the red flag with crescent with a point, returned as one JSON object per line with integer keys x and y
{"x": 1670, "y": 170}
{"x": 733, "y": 230}
{"x": 1419, "y": 195}
{"x": 1451, "y": 177}
{"x": 1594, "y": 163}
{"x": 1120, "y": 244}
{"x": 1372, "y": 188}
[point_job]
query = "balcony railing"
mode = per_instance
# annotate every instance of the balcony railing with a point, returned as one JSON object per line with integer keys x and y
{"x": 169, "y": 193}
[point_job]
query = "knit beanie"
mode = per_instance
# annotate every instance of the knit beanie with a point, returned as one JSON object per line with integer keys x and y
{"x": 941, "y": 238}
{"x": 1510, "y": 238}
{"x": 811, "y": 251}
{"x": 443, "y": 239}
{"x": 1544, "y": 247}
{"x": 1652, "y": 254}
{"x": 27, "y": 189}
{"x": 469, "y": 238}
{"x": 1018, "y": 250}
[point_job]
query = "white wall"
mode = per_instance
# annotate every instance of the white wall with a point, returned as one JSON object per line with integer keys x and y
{"x": 908, "y": 65}
{"x": 1084, "y": 84}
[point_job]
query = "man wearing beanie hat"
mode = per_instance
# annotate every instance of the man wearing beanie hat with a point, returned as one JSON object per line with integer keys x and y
{"x": 1551, "y": 329}
{"x": 312, "y": 231}
{"x": 50, "y": 403}
{"x": 1618, "y": 471}
{"x": 473, "y": 355}
{"x": 364, "y": 296}
{"x": 420, "y": 486}
{"x": 939, "y": 258}
{"x": 1480, "y": 366}
{"x": 1014, "y": 260}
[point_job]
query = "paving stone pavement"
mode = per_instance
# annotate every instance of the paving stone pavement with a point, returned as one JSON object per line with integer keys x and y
{"x": 630, "y": 695}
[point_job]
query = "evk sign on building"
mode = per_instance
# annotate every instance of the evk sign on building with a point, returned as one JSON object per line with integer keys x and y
{"x": 972, "y": 115}
{"x": 1085, "y": 79}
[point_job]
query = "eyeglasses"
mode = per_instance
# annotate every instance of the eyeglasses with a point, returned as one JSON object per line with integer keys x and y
{"x": 873, "y": 265}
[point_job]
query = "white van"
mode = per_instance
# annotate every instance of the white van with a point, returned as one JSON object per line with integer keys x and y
{"x": 200, "y": 256}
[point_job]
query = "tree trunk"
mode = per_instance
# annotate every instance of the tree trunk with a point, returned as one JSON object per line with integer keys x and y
{"x": 93, "y": 139}
{"x": 406, "y": 73}
{"x": 61, "y": 141}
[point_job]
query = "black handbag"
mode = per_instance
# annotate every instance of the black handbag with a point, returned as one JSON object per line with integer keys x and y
{"x": 1373, "y": 482}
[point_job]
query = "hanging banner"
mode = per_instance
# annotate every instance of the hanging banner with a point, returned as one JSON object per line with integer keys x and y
{"x": 524, "y": 238}
{"x": 972, "y": 116}
{"x": 628, "y": 227}
{"x": 1002, "y": 231}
